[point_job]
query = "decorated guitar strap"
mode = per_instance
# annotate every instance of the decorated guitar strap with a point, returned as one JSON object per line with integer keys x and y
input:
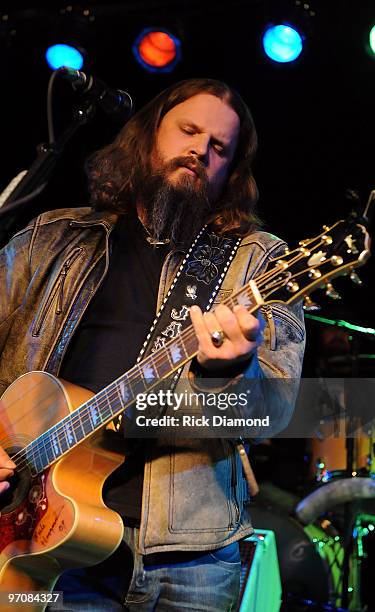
{"x": 197, "y": 281}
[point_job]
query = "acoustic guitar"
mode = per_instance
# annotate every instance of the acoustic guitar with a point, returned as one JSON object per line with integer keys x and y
{"x": 53, "y": 517}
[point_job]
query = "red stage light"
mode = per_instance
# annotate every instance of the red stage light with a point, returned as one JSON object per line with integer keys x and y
{"x": 157, "y": 50}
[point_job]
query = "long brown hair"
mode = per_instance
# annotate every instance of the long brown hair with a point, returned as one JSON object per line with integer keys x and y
{"x": 112, "y": 170}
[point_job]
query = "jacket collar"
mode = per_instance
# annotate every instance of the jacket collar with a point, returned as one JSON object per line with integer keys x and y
{"x": 91, "y": 217}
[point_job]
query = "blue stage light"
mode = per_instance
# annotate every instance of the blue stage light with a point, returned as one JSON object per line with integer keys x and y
{"x": 64, "y": 55}
{"x": 282, "y": 43}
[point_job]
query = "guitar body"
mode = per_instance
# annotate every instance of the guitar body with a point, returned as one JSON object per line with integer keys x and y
{"x": 55, "y": 520}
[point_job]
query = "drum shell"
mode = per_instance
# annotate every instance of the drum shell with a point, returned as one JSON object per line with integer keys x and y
{"x": 304, "y": 571}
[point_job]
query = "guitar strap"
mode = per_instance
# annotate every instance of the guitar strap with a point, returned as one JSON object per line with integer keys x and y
{"x": 197, "y": 281}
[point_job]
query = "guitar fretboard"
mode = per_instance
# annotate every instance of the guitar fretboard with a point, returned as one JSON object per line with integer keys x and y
{"x": 117, "y": 396}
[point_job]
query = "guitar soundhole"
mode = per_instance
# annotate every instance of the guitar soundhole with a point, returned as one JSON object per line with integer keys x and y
{"x": 19, "y": 486}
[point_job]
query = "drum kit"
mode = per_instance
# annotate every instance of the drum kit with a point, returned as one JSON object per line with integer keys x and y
{"x": 343, "y": 496}
{"x": 327, "y": 539}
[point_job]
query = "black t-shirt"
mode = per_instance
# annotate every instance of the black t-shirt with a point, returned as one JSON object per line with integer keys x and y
{"x": 110, "y": 336}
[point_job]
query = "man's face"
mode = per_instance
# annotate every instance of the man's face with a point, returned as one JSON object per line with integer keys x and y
{"x": 200, "y": 135}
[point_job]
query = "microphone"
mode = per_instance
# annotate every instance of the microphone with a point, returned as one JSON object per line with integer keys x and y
{"x": 110, "y": 100}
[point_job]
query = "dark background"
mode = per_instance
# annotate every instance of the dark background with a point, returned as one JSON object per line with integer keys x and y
{"x": 314, "y": 117}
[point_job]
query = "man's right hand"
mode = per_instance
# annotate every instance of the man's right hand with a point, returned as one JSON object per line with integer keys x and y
{"x": 6, "y": 470}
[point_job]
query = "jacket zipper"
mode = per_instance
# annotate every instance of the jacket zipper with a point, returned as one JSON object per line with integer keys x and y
{"x": 234, "y": 486}
{"x": 57, "y": 289}
{"x": 51, "y": 353}
{"x": 267, "y": 310}
{"x": 68, "y": 264}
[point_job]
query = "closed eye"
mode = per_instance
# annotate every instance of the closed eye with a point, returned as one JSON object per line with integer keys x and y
{"x": 219, "y": 147}
{"x": 187, "y": 130}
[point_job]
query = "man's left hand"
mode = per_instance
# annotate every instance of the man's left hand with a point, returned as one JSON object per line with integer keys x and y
{"x": 242, "y": 335}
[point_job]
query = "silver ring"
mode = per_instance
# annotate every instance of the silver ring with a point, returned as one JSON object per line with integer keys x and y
{"x": 217, "y": 338}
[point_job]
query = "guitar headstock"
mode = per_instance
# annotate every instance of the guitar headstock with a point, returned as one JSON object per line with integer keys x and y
{"x": 336, "y": 251}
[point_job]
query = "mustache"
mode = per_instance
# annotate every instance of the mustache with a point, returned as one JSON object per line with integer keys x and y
{"x": 188, "y": 162}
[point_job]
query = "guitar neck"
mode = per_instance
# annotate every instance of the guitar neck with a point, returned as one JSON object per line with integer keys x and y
{"x": 111, "y": 401}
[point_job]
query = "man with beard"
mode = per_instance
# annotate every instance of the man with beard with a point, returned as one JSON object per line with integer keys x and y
{"x": 82, "y": 290}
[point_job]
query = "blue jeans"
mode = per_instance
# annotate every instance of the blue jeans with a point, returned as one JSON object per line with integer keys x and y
{"x": 170, "y": 582}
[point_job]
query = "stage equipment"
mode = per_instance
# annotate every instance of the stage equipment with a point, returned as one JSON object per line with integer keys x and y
{"x": 157, "y": 50}
{"x": 282, "y": 43}
{"x": 260, "y": 585}
{"x": 329, "y": 495}
{"x": 308, "y": 570}
{"x": 345, "y": 464}
{"x": 343, "y": 501}
{"x": 288, "y": 29}
{"x": 345, "y": 324}
{"x": 342, "y": 444}
{"x": 95, "y": 93}
{"x": 109, "y": 99}
{"x": 372, "y": 39}
{"x": 64, "y": 55}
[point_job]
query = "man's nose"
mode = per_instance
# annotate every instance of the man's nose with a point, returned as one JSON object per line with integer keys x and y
{"x": 199, "y": 147}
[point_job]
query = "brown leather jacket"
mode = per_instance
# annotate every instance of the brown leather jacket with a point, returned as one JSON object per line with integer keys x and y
{"x": 48, "y": 274}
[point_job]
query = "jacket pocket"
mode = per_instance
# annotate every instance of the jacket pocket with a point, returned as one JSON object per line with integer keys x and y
{"x": 276, "y": 316}
{"x": 201, "y": 497}
{"x": 56, "y": 294}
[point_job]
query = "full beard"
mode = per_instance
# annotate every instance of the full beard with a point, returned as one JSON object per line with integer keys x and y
{"x": 174, "y": 211}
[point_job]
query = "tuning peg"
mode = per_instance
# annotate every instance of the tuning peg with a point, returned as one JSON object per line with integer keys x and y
{"x": 331, "y": 292}
{"x": 355, "y": 278}
{"x": 309, "y": 305}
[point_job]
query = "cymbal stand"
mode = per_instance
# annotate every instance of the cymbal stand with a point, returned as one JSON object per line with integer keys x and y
{"x": 353, "y": 548}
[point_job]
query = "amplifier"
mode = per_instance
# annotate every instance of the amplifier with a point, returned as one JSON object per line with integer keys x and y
{"x": 260, "y": 589}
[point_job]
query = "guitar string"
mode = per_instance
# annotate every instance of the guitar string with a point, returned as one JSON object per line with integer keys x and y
{"x": 265, "y": 276}
{"x": 108, "y": 392}
{"x": 44, "y": 444}
{"x": 111, "y": 392}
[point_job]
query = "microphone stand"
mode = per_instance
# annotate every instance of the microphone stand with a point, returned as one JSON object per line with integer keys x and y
{"x": 36, "y": 178}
